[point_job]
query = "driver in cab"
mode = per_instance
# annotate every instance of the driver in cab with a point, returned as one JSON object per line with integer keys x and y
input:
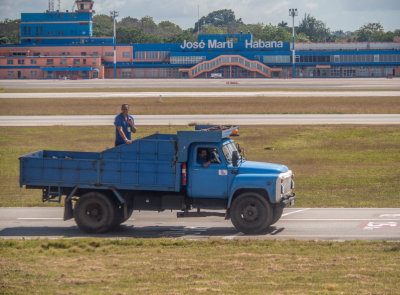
{"x": 207, "y": 156}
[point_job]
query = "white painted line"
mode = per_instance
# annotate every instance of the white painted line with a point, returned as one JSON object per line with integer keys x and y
{"x": 41, "y": 218}
{"x": 293, "y": 212}
{"x": 334, "y": 219}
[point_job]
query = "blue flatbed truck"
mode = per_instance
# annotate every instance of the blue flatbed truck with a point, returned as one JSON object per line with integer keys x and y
{"x": 162, "y": 172}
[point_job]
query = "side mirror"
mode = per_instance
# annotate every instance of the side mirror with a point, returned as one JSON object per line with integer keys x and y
{"x": 235, "y": 158}
{"x": 238, "y": 148}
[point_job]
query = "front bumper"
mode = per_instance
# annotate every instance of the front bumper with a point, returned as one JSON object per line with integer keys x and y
{"x": 288, "y": 201}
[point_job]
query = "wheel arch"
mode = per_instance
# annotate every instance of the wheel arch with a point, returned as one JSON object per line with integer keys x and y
{"x": 263, "y": 192}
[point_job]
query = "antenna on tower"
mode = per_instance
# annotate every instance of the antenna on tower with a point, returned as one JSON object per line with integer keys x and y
{"x": 51, "y": 5}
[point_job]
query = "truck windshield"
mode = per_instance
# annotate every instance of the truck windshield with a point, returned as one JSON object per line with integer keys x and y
{"x": 228, "y": 149}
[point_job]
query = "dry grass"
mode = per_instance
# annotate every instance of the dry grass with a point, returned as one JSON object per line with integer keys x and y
{"x": 135, "y": 266}
{"x": 335, "y": 166}
{"x": 221, "y": 105}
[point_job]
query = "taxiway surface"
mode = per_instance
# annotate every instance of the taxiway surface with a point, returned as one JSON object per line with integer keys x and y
{"x": 296, "y": 223}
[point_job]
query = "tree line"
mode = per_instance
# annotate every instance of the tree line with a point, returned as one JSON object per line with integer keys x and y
{"x": 224, "y": 21}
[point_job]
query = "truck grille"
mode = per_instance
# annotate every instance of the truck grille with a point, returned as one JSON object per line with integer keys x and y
{"x": 285, "y": 187}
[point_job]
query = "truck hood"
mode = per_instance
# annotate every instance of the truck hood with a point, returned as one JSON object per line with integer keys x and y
{"x": 248, "y": 167}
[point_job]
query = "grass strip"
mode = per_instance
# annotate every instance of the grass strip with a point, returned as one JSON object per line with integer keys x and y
{"x": 170, "y": 266}
{"x": 195, "y": 105}
{"x": 335, "y": 166}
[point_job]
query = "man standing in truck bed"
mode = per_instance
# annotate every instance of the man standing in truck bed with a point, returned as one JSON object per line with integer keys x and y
{"x": 124, "y": 125}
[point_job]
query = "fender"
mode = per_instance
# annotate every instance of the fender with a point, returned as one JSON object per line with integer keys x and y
{"x": 265, "y": 182}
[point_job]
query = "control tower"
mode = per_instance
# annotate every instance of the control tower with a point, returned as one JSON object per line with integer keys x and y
{"x": 59, "y": 27}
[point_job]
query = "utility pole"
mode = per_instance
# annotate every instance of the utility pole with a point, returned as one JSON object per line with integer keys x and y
{"x": 293, "y": 12}
{"x": 114, "y": 15}
{"x": 198, "y": 19}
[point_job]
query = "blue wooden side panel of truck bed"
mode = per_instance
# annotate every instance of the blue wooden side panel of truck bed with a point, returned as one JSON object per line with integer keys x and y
{"x": 146, "y": 164}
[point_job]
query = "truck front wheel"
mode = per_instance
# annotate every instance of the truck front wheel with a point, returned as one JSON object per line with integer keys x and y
{"x": 278, "y": 210}
{"x": 251, "y": 213}
{"x": 94, "y": 213}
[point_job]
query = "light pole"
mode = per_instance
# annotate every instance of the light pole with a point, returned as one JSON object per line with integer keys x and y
{"x": 114, "y": 15}
{"x": 293, "y": 12}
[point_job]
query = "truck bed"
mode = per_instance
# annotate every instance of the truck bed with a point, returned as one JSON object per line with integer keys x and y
{"x": 146, "y": 164}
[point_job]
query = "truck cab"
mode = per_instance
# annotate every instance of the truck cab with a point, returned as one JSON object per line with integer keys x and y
{"x": 229, "y": 177}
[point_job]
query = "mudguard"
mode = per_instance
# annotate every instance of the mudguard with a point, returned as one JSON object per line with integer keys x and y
{"x": 264, "y": 182}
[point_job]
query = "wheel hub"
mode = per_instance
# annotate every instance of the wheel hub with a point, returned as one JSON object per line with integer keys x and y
{"x": 250, "y": 213}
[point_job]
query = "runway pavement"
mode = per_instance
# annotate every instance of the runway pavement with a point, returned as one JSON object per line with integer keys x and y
{"x": 239, "y": 119}
{"x": 298, "y": 83}
{"x": 184, "y": 94}
{"x": 336, "y": 224}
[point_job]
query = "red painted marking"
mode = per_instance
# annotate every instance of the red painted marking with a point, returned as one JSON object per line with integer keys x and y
{"x": 376, "y": 225}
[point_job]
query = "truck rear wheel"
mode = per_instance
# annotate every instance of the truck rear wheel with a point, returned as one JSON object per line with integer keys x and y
{"x": 251, "y": 213}
{"x": 94, "y": 213}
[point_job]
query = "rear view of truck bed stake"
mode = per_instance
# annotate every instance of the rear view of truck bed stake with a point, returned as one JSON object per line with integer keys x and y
{"x": 162, "y": 172}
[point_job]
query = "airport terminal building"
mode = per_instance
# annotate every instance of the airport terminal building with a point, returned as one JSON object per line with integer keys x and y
{"x": 57, "y": 45}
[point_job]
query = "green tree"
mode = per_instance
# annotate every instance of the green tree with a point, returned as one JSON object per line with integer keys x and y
{"x": 276, "y": 33}
{"x": 10, "y": 31}
{"x": 255, "y": 29}
{"x": 4, "y": 40}
{"x": 373, "y": 32}
{"x": 219, "y": 18}
{"x": 130, "y": 35}
{"x": 210, "y": 29}
{"x": 167, "y": 28}
{"x": 148, "y": 25}
{"x": 102, "y": 25}
{"x": 314, "y": 29}
{"x": 180, "y": 37}
{"x": 129, "y": 22}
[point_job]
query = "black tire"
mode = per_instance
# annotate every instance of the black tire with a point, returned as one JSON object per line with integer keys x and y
{"x": 251, "y": 213}
{"x": 94, "y": 213}
{"x": 119, "y": 216}
{"x": 278, "y": 210}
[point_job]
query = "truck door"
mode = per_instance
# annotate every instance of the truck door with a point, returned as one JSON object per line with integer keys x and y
{"x": 208, "y": 177}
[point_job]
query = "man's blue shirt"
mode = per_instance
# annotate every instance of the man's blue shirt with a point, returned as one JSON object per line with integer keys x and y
{"x": 120, "y": 121}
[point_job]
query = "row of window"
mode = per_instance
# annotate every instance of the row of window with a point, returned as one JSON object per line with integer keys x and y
{"x": 62, "y": 53}
{"x": 150, "y": 73}
{"x": 152, "y": 55}
{"x": 21, "y": 61}
{"x": 12, "y": 73}
{"x": 39, "y": 31}
{"x": 50, "y": 61}
{"x": 345, "y": 71}
{"x": 362, "y": 58}
{"x": 126, "y": 54}
{"x": 34, "y": 61}
{"x": 76, "y": 61}
{"x": 186, "y": 60}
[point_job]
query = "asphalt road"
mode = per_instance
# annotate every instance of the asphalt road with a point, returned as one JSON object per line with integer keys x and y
{"x": 183, "y": 94}
{"x": 335, "y": 224}
{"x": 239, "y": 119}
{"x": 349, "y": 83}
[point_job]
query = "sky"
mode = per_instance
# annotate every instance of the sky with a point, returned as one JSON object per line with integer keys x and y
{"x": 346, "y": 15}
